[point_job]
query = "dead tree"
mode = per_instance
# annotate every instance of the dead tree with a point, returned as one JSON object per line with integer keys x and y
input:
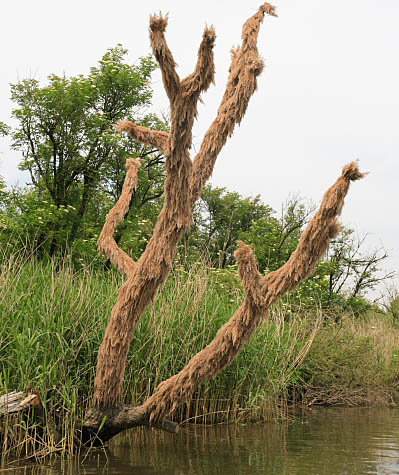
{"x": 184, "y": 182}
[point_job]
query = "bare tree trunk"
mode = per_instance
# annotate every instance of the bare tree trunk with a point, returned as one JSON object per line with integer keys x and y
{"x": 183, "y": 186}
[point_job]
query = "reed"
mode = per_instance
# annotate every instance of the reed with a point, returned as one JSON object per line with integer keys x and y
{"x": 53, "y": 319}
{"x": 353, "y": 363}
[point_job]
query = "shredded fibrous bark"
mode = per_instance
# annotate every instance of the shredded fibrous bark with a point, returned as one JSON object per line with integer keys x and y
{"x": 106, "y": 243}
{"x": 156, "y": 138}
{"x": 260, "y": 293}
{"x": 184, "y": 182}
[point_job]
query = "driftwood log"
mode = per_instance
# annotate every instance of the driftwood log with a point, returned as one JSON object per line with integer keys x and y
{"x": 14, "y": 401}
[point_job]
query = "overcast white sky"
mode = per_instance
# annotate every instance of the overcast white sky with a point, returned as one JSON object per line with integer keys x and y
{"x": 329, "y": 93}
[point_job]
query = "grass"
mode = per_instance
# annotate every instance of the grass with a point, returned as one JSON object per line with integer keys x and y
{"x": 354, "y": 363}
{"x": 53, "y": 320}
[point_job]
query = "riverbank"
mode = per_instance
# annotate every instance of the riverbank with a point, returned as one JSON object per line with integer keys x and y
{"x": 54, "y": 318}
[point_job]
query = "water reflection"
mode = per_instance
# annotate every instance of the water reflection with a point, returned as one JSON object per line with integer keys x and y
{"x": 326, "y": 441}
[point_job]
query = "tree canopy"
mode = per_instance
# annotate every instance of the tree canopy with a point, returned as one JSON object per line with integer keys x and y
{"x": 68, "y": 144}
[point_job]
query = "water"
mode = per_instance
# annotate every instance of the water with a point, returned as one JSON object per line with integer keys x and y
{"x": 324, "y": 441}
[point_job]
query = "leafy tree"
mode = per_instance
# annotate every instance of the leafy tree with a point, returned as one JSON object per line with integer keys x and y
{"x": 352, "y": 269}
{"x": 4, "y": 129}
{"x": 221, "y": 218}
{"x": 65, "y": 133}
{"x": 391, "y": 303}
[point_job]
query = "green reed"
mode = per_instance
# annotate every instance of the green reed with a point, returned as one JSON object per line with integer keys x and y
{"x": 53, "y": 320}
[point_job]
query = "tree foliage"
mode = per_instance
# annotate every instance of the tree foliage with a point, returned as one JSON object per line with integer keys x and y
{"x": 4, "y": 129}
{"x": 221, "y": 218}
{"x": 68, "y": 144}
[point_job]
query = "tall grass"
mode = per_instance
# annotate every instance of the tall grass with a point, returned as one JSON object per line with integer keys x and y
{"x": 53, "y": 320}
{"x": 353, "y": 363}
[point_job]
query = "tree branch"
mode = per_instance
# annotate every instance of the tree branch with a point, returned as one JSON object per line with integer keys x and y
{"x": 154, "y": 265}
{"x": 176, "y": 215}
{"x": 222, "y": 350}
{"x": 314, "y": 240}
{"x": 259, "y": 295}
{"x": 164, "y": 56}
{"x": 156, "y": 138}
{"x": 245, "y": 67}
{"x": 204, "y": 72}
{"x": 106, "y": 243}
{"x": 100, "y": 425}
{"x": 149, "y": 198}
{"x": 180, "y": 186}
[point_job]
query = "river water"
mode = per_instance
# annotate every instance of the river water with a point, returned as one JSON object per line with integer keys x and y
{"x": 323, "y": 441}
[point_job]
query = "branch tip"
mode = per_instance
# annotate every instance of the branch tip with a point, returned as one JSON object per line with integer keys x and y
{"x": 209, "y": 35}
{"x": 124, "y": 126}
{"x": 244, "y": 253}
{"x": 158, "y": 22}
{"x": 133, "y": 162}
{"x": 156, "y": 138}
{"x": 268, "y": 9}
{"x": 352, "y": 172}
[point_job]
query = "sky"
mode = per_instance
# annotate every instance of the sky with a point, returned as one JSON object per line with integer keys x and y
{"x": 329, "y": 93}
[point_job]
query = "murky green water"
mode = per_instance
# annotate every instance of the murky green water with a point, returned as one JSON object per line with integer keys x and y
{"x": 326, "y": 441}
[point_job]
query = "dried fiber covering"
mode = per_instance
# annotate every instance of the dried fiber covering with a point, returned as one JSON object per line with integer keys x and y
{"x": 261, "y": 292}
{"x": 185, "y": 180}
{"x": 183, "y": 184}
{"x": 106, "y": 243}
